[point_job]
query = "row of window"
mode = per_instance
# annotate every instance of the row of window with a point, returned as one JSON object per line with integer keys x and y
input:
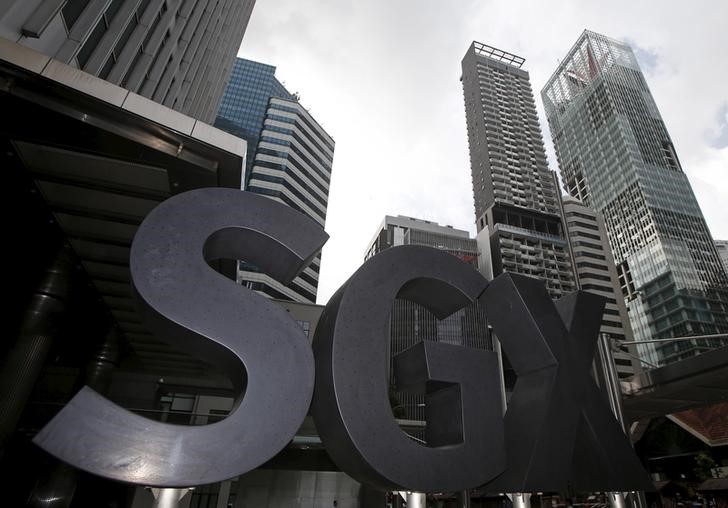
{"x": 326, "y": 177}
{"x": 581, "y": 243}
{"x": 325, "y": 162}
{"x": 145, "y": 43}
{"x": 283, "y": 181}
{"x": 280, "y": 195}
{"x": 304, "y": 184}
{"x": 577, "y": 234}
{"x": 585, "y": 225}
{"x": 582, "y": 215}
{"x": 97, "y": 33}
{"x": 587, "y": 264}
{"x": 293, "y": 148}
{"x": 588, "y": 275}
{"x": 302, "y": 116}
{"x": 589, "y": 255}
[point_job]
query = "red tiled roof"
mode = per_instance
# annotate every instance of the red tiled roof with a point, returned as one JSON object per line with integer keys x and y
{"x": 714, "y": 484}
{"x": 711, "y": 422}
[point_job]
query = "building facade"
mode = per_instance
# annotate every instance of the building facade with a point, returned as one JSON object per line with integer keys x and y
{"x": 291, "y": 161}
{"x": 403, "y": 230}
{"x": 175, "y": 52}
{"x": 516, "y": 202}
{"x": 617, "y": 157}
{"x": 245, "y": 101}
{"x": 722, "y": 247}
{"x": 596, "y": 273}
{"x": 411, "y": 323}
{"x": 85, "y": 162}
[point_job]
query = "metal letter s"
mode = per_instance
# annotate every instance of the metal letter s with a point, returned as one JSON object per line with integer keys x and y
{"x": 185, "y": 302}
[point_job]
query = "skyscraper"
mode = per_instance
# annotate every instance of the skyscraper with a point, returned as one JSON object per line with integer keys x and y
{"x": 516, "y": 209}
{"x": 177, "y": 53}
{"x": 596, "y": 273}
{"x": 616, "y": 156}
{"x": 291, "y": 161}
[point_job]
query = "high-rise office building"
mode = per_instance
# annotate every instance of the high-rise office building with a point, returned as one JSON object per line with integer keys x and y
{"x": 595, "y": 272}
{"x": 616, "y": 156}
{"x": 411, "y": 323}
{"x": 175, "y": 52}
{"x": 722, "y": 247}
{"x": 403, "y": 230}
{"x": 245, "y": 101}
{"x": 516, "y": 209}
{"x": 84, "y": 162}
{"x": 291, "y": 161}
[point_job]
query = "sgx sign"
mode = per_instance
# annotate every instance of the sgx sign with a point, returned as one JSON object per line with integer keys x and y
{"x": 556, "y": 433}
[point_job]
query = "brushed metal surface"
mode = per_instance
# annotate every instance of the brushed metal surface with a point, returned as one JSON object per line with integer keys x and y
{"x": 264, "y": 352}
{"x": 560, "y": 433}
{"x": 351, "y": 406}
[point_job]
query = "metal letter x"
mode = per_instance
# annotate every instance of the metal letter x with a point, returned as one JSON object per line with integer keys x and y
{"x": 559, "y": 431}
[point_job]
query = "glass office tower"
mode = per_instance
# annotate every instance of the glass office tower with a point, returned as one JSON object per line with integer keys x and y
{"x": 243, "y": 105}
{"x": 617, "y": 157}
{"x": 289, "y": 159}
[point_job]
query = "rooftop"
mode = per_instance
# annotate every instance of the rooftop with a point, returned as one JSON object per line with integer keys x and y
{"x": 497, "y": 54}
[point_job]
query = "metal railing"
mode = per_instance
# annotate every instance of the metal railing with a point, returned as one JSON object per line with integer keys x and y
{"x": 670, "y": 340}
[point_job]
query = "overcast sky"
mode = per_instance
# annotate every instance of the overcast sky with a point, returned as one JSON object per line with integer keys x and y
{"x": 382, "y": 77}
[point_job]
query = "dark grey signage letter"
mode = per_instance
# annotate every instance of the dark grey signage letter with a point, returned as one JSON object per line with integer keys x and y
{"x": 185, "y": 302}
{"x": 559, "y": 431}
{"x": 351, "y": 406}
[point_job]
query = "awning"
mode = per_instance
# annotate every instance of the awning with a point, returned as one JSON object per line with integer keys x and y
{"x": 102, "y": 157}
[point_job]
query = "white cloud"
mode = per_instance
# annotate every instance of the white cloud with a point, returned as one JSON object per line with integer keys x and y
{"x": 382, "y": 78}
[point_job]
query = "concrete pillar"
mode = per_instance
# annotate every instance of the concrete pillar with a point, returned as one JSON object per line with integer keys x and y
{"x": 616, "y": 500}
{"x": 463, "y": 498}
{"x": 59, "y": 485}
{"x": 105, "y": 359}
{"x": 611, "y": 387}
{"x": 416, "y": 500}
{"x": 223, "y": 494}
{"x": 55, "y": 489}
{"x": 521, "y": 500}
{"x": 168, "y": 497}
{"x": 39, "y": 327}
{"x": 609, "y": 378}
